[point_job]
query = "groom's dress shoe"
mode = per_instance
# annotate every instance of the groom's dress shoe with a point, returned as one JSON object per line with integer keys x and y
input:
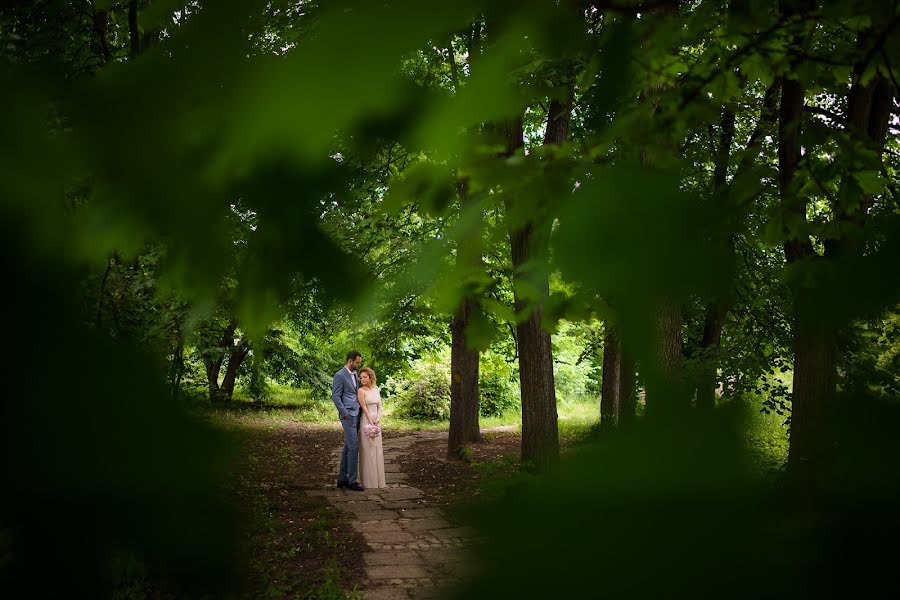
{"x": 341, "y": 483}
{"x": 355, "y": 487}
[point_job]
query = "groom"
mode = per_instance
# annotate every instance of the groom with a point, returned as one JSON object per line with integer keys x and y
{"x": 343, "y": 394}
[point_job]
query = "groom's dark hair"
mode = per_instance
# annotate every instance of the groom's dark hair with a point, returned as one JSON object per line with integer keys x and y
{"x": 352, "y": 355}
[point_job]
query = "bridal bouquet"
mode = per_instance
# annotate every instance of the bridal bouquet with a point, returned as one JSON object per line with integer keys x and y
{"x": 371, "y": 431}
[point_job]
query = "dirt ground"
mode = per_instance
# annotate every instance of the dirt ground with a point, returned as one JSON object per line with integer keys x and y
{"x": 297, "y": 545}
{"x": 446, "y": 482}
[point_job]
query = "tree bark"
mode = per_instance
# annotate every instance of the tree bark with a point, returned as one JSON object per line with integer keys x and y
{"x": 464, "y": 392}
{"x": 811, "y": 348}
{"x": 214, "y": 364}
{"x": 662, "y": 379}
{"x": 540, "y": 429}
{"x": 815, "y": 338}
{"x": 235, "y": 359}
{"x": 612, "y": 378}
{"x": 815, "y": 381}
{"x": 213, "y": 368}
{"x": 665, "y": 393}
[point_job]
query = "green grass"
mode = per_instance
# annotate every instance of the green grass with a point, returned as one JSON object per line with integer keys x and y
{"x": 576, "y": 415}
{"x": 767, "y": 440}
{"x": 286, "y": 404}
{"x": 767, "y": 436}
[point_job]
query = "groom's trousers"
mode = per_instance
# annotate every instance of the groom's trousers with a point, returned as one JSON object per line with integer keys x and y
{"x": 350, "y": 453}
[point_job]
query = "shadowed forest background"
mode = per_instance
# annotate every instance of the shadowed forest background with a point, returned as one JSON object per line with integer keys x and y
{"x": 664, "y": 235}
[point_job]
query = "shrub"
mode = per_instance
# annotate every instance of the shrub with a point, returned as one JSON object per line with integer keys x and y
{"x": 498, "y": 388}
{"x": 574, "y": 370}
{"x": 425, "y": 394}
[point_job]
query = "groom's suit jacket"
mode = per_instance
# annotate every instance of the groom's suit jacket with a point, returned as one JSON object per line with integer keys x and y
{"x": 343, "y": 393}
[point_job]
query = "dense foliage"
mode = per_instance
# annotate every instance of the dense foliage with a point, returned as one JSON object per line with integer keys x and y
{"x": 689, "y": 207}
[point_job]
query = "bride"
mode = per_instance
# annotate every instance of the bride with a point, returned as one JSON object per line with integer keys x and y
{"x": 371, "y": 455}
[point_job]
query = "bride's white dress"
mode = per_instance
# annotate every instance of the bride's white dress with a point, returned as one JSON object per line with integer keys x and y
{"x": 371, "y": 454}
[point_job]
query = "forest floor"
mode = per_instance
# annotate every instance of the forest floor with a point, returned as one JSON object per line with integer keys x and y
{"x": 304, "y": 539}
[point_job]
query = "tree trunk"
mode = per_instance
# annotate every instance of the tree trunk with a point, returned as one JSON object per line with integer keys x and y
{"x": 662, "y": 379}
{"x": 214, "y": 365}
{"x": 612, "y": 378}
{"x": 540, "y": 433}
{"x": 464, "y": 392}
{"x": 464, "y": 427}
{"x": 212, "y": 379}
{"x": 665, "y": 393}
{"x": 235, "y": 359}
{"x": 810, "y": 347}
{"x": 815, "y": 381}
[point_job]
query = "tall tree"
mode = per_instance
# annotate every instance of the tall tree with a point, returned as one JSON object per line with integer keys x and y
{"x": 814, "y": 350}
{"x": 664, "y": 380}
{"x": 816, "y": 332}
{"x": 610, "y": 386}
{"x": 464, "y": 427}
{"x": 464, "y": 358}
{"x": 528, "y": 242}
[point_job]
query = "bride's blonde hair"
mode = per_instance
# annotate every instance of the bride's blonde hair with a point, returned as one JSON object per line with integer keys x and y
{"x": 370, "y": 373}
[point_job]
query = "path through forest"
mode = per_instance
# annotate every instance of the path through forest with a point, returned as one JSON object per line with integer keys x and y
{"x": 412, "y": 548}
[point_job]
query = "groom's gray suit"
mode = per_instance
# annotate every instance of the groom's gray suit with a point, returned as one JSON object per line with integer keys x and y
{"x": 343, "y": 394}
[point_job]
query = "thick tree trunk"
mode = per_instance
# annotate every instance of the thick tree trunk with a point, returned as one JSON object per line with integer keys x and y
{"x": 662, "y": 379}
{"x": 464, "y": 427}
{"x": 815, "y": 382}
{"x": 464, "y": 392}
{"x": 213, "y": 368}
{"x": 665, "y": 393}
{"x": 217, "y": 393}
{"x": 809, "y": 345}
{"x": 235, "y": 359}
{"x": 811, "y": 370}
{"x": 612, "y": 378}
{"x": 540, "y": 432}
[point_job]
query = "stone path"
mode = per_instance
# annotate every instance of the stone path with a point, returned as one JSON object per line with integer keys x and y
{"x": 412, "y": 550}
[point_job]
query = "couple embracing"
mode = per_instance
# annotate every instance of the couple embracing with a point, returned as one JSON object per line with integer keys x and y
{"x": 358, "y": 401}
